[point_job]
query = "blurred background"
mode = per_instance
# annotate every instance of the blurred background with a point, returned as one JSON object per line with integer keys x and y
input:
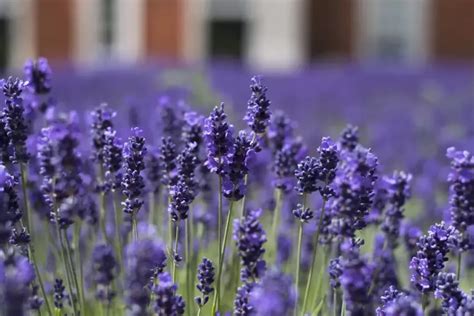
{"x": 264, "y": 34}
{"x": 401, "y": 70}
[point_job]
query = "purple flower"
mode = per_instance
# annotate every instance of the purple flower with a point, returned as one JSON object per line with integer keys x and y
{"x": 59, "y": 293}
{"x": 398, "y": 192}
{"x": 431, "y": 256}
{"x": 353, "y": 191}
{"x": 315, "y": 174}
{"x": 356, "y": 277}
{"x": 285, "y": 164}
{"x": 242, "y": 306}
{"x": 101, "y": 119}
{"x": 395, "y": 303}
{"x": 303, "y": 214}
{"x": 171, "y": 118}
{"x": 142, "y": 258}
{"x": 193, "y": 129}
{"x": 335, "y": 272}
{"x": 38, "y": 75}
{"x": 14, "y": 123}
{"x": 280, "y": 130}
{"x": 205, "y": 278}
{"x": 10, "y": 212}
{"x": 447, "y": 289}
{"x": 249, "y": 237}
{"x": 112, "y": 159}
{"x": 349, "y": 138}
{"x": 167, "y": 156}
{"x": 219, "y": 139}
{"x": 167, "y": 302}
{"x": 132, "y": 181}
{"x": 461, "y": 179}
{"x": 16, "y": 276}
{"x": 258, "y": 113}
{"x": 35, "y": 301}
{"x": 274, "y": 295}
{"x": 105, "y": 270}
{"x": 238, "y": 162}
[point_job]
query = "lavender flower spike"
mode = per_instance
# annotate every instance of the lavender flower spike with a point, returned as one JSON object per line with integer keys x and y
{"x": 38, "y": 75}
{"x": 219, "y": 139}
{"x": 133, "y": 182}
{"x": 205, "y": 279}
{"x": 167, "y": 302}
{"x": 258, "y": 113}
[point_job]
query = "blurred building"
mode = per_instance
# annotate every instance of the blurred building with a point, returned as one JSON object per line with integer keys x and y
{"x": 280, "y": 34}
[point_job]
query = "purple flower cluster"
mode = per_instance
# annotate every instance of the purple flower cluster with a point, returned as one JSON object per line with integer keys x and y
{"x": 205, "y": 278}
{"x": 105, "y": 269}
{"x": 38, "y": 75}
{"x": 9, "y": 204}
{"x": 167, "y": 302}
{"x": 258, "y": 113}
{"x": 431, "y": 256}
{"x": 461, "y": 179}
{"x": 133, "y": 182}
{"x": 249, "y": 237}
{"x": 142, "y": 258}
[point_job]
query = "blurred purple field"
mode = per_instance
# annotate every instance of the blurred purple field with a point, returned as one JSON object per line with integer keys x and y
{"x": 408, "y": 115}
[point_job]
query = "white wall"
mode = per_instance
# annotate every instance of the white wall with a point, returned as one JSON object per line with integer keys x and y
{"x": 277, "y": 38}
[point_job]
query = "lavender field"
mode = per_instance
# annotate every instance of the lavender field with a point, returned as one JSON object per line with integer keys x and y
{"x": 158, "y": 190}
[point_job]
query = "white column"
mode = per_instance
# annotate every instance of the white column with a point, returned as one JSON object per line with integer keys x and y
{"x": 22, "y": 34}
{"x": 86, "y": 45}
{"x": 276, "y": 37}
{"x": 129, "y": 34}
{"x": 194, "y": 40}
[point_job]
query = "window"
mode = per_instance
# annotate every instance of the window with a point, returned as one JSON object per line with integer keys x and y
{"x": 107, "y": 24}
{"x": 4, "y": 43}
{"x": 226, "y": 38}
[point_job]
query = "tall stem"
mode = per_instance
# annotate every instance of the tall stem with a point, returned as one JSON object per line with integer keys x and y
{"x": 77, "y": 235}
{"x": 315, "y": 253}
{"x": 117, "y": 221}
{"x": 187, "y": 231}
{"x": 298, "y": 258}
{"x": 73, "y": 270}
{"x": 222, "y": 251}
{"x": 67, "y": 270}
{"x": 276, "y": 224}
{"x": 458, "y": 270}
{"x": 215, "y": 303}
{"x": 31, "y": 250}
{"x": 175, "y": 252}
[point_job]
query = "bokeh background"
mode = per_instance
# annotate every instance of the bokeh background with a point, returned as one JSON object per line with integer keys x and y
{"x": 401, "y": 70}
{"x": 265, "y": 34}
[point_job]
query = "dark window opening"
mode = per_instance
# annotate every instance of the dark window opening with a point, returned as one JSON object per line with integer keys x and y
{"x": 226, "y": 39}
{"x": 107, "y": 21}
{"x": 4, "y": 43}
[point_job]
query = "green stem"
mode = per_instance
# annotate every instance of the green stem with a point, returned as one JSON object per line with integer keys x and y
{"x": 66, "y": 270}
{"x": 222, "y": 252}
{"x": 73, "y": 270}
{"x": 275, "y": 225}
{"x": 315, "y": 253}
{"x": 176, "y": 236}
{"x": 134, "y": 227}
{"x": 458, "y": 270}
{"x": 334, "y": 302}
{"x": 151, "y": 205}
{"x": 298, "y": 258}
{"x": 117, "y": 219}
{"x": 199, "y": 311}
{"x": 77, "y": 234}
{"x": 187, "y": 233}
{"x": 31, "y": 250}
{"x": 215, "y": 303}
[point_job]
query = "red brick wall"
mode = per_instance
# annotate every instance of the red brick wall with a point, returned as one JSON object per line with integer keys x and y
{"x": 54, "y": 29}
{"x": 163, "y": 28}
{"x": 453, "y": 29}
{"x": 330, "y": 28}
